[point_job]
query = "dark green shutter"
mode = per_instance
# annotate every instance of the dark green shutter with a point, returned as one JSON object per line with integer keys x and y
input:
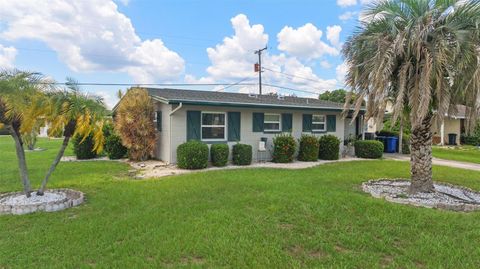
{"x": 331, "y": 123}
{"x": 159, "y": 121}
{"x": 193, "y": 125}
{"x": 307, "y": 123}
{"x": 233, "y": 126}
{"x": 286, "y": 122}
{"x": 257, "y": 122}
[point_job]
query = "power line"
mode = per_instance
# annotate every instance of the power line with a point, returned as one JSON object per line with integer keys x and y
{"x": 233, "y": 84}
{"x": 296, "y": 76}
{"x": 145, "y": 84}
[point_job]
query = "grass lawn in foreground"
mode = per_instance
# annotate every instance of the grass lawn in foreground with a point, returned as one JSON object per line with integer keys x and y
{"x": 462, "y": 153}
{"x": 245, "y": 218}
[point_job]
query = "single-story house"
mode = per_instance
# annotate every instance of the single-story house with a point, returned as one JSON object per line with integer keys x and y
{"x": 223, "y": 117}
{"x": 453, "y": 123}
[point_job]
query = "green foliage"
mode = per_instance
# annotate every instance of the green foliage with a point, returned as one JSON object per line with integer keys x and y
{"x": 386, "y": 132}
{"x": 308, "y": 148}
{"x": 406, "y": 144}
{"x": 84, "y": 149}
{"x": 471, "y": 140}
{"x": 329, "y": 147}
{"x": 219, "y": 154}
{"x": 370, "y": 149}
{"x": 192, "y": 155}
{"x": 114, "y": 148}
{"x": 387, "y": 126}
{"x": 284, "y": 147}
{"x": 242, "y": 154}
{"x": 337, "y": 96}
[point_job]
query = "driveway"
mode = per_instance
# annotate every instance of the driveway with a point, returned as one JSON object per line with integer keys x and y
{"x": 435, "y": 161}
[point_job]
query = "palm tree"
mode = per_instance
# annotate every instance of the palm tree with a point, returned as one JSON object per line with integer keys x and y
{"x": 21, "y": 100}
{"x": 75, "y": 113}
{"x": 424, "y": 53}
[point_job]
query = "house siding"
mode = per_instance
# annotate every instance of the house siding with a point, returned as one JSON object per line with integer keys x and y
{"x": 179, "y": 128}
{"x": 162, "y": 149}
{"x": 452, "y": 126}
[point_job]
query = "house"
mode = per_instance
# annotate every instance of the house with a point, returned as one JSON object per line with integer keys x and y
{"x": 453, "y": 123}
{"x": 223, "y": 117}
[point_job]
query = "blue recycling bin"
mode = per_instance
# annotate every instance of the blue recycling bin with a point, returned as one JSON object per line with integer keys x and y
{"x": 391, "y": 142}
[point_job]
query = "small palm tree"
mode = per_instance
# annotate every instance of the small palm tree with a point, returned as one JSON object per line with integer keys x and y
{"x": 22, "y": 102}
{"x": 426, "y": 55}
{"x": 74, "y": 113}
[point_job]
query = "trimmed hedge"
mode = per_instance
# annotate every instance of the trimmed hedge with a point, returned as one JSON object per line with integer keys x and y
{"x": 308, "y": 148}
{"x": 192, "y": 155}
{"x": 329, "y": 147}
{"x": 370, "y": 149}
{"x": 84, "y": 150}
{"x": 114, "y": 148}
{"x": 219, "y": 154}
{"x": 242, "y": 154}
{"x": 470, "y": 140}
{"x": 284, "y": 147}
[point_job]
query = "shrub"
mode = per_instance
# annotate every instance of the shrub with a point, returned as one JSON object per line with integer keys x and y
{"x": 406, "y": 144}
{"x": 114, "y": 148}
{"x": 84, "y": 149}
{"x": 192, "y": 155}
{"x": 329, "y": 147}
{"x": 308, "y": 149}
{"x": 387, "y": 133}
{"x": 470, "y": 140}
{"x": 370, "y": 149}
{"x": 219, "y": 154}
{"x": 242, "y": 154}
{"x": 284, "y": 147}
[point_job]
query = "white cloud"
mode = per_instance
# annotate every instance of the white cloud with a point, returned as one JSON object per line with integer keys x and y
{"x": 90, "y": 35}
{"x": 346, "y": 3}
{"x": 347, "y": 15}
{"x": 304, "y": 42}
{"x": 341, "y": 72}
{"x": 7, "y": 56}
{"x": 333, "y": 35}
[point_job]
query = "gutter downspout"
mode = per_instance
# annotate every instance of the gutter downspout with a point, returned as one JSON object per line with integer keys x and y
{"x": 180, "y": 105}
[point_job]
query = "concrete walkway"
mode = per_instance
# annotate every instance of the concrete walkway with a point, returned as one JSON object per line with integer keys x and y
{"x": 436, "y": 161}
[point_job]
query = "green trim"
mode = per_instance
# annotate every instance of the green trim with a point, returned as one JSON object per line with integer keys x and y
{"x": 215, "y": 142}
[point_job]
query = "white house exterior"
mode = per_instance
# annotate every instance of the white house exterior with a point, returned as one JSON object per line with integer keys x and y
{"x": 220, "y": 117}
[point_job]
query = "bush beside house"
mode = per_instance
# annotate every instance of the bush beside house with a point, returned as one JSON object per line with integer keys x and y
{"x": 329, "y": 147}
{"x": 192, "y": 155}
{"x": 84, "y": 149}
{"x": 370, "y": 149}
{"x": 308, "y": 148}
{"x": 242, "y": 154}
{"x": 284, "y": 147}
{"x": 219, "y": 154}
{"x": 114, "y": 148}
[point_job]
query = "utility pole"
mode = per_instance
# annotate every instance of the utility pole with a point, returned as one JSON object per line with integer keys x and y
{"x": 259, "y": 69}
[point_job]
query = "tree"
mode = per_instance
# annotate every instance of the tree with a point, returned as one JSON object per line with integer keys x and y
{"x": 22, "y": 101}
{"x": 337, "y": 96}
{"x": 134, "y": 123}
{"x": 426, "y": 55}
{"x": 74, "y": 113}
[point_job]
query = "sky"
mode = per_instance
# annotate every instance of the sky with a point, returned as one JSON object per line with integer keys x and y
{"x": 181, "y": 41}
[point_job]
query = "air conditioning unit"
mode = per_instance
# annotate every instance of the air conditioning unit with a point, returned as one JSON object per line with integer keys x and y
{"x": 281, "y": 97}
{"x": 253, "y": 95}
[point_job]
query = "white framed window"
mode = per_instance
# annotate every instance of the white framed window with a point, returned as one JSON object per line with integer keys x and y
{"x": 213, "y": 126}
{"x": 319, "y": 123}
{"x": 271, "y": 122}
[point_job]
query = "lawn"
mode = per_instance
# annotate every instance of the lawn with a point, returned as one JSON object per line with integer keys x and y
{"x": 462, "y": 153}
{"x": 245, "y": 218}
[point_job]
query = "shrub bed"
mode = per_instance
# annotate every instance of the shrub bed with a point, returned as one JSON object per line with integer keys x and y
{"x": 370, "y": 149}
{"x": 329, "y": 147}
{"x": 284, "y": 147}
{"x": 308, "y": 148}
{"x": 219, "y": 154}
{"x": 114, "y": 148}
{"x": 192, "y": 155}
{"x": 84, "y": 149}
{"x": 242, "y": 154}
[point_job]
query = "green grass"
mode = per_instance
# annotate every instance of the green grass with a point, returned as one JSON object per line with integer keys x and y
{"x": 462, "y": 153}
{"x": 245, "y": 218}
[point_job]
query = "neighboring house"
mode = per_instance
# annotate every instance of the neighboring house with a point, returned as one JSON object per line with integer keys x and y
{"x": 453, "y": 123}
{"x": 221, "y": 117}
{"x": 372, "y": 125}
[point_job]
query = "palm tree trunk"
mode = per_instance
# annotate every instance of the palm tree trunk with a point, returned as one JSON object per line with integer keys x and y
{"x": 54, "y": 165}
{"x": 421, "y": 157}
{"x": 400, "y": 137}
{"x": 22, "y": 163}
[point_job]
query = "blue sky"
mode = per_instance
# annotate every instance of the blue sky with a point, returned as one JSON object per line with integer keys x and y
{"x": 139, "y": 41}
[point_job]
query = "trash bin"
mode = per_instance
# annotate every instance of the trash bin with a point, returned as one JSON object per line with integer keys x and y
{"x": 452, "y": 139}
{"x": 392, "y": 144}
{"x": 383, "y": 139}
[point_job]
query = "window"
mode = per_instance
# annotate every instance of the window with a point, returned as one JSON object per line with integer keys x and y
{"x": 213, "y": 126}
{"x": 319, "y": 123}
{"x": 271, "y": 122}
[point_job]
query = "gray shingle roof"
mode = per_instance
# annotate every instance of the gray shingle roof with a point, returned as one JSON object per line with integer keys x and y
{"x": 228, "y": 98}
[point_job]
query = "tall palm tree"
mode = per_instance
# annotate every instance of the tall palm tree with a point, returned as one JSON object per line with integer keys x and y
{"x": 424, "y": 53}
{"x": 22, "y": 101}
{"x": 74, "y": 113}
